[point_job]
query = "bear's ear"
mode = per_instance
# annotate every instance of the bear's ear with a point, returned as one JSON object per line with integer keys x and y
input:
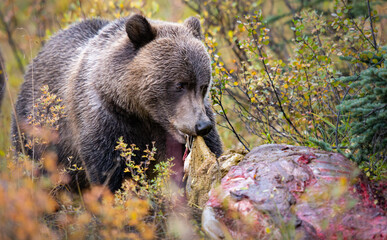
{"x": 139, "y": 31}
{"x": 193, "y": 24}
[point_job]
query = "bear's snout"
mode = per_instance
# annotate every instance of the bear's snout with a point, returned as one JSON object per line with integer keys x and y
{"x": 203, "y": 127}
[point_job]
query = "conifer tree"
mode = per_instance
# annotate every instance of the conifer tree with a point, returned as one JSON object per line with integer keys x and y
{"x": 367, "y": 108}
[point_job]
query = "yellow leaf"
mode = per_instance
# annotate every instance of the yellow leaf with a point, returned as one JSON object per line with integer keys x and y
{"x": 230, "y": 34}
{"x": 235, "y": 83}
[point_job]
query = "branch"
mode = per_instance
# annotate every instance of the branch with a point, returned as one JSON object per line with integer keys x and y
{"x": 2, "y": 79}
{"x": 273, "y": 87}
{"x": 375, "y": 110}
{"x": 372, "y": 26}
{"x": 12, "y": 43}
{"x": 229, "y": 123}
{"x": 361, "y": 31}
{"x": 230, "y": 93}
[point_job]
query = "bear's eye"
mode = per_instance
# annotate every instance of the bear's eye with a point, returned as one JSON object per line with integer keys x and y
{"x": 181, "y": 86}
{"x": 204, "y": 89}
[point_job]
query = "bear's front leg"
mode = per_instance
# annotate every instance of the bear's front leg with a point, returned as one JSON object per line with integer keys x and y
{"x": 102, "y": 163}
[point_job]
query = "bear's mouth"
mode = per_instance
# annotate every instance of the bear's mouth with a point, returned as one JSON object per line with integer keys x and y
{"x": 181, "y": 132}
{"x": 181, "y": 136}
{"x": 175, "y": 149}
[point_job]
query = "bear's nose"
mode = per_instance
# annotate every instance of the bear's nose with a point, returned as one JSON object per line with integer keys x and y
{"x": 203, "y": 128}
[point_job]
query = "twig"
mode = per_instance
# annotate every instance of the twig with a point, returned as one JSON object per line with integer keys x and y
{"x": 372, "y": 26}
{"x": 229, "y": 123}
{"x": 2, "y": 79}
{"x": 12, "y": 43}
{"x": 361, "y": 31}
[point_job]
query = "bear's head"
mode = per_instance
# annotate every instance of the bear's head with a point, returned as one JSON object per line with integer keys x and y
{"x": 173, "y": 74}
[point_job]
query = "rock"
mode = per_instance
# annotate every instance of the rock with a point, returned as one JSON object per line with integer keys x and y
{"x": 283, "y": 191}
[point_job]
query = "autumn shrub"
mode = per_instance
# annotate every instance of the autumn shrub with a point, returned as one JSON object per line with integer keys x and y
{"x": 23, "y": 203}
{"x": 29, "y": 211}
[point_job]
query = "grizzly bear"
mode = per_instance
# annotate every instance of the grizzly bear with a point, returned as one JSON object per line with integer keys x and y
{"x": 143, "y": 80}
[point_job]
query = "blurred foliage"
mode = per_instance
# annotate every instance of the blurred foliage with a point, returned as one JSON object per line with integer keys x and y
{"x": 29, "y": 211}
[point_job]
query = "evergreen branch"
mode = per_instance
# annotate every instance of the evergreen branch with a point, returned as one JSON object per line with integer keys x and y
{"x": 376, "y": 109}
{"x": 338, "y": 120}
